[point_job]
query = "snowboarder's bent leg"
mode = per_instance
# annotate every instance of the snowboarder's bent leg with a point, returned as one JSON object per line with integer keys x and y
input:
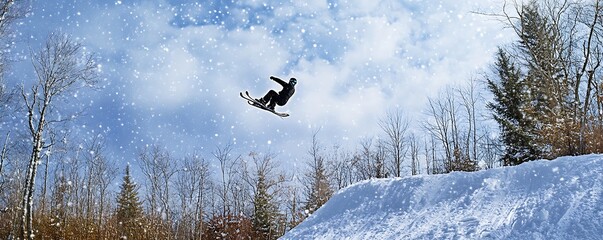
{"x": 269, "y": 98}
{"x": 278, "y": 99}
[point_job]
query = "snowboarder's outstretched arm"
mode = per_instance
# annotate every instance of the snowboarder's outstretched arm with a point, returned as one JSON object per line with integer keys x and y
{"x": 278, "y": 80}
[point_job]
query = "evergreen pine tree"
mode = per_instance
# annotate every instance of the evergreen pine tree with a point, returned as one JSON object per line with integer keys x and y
{"x": 548, "y": 93}
{"x": 129, "y": 208}
{"x": 508, "y": 110}
{"x": 264, "y": 210}
{"x": 318, "y": 189}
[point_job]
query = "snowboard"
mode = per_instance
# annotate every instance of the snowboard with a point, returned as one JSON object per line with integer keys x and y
{"x": 251, "y": 101}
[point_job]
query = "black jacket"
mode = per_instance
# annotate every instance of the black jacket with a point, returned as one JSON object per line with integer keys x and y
{"x": 286, "y": 93}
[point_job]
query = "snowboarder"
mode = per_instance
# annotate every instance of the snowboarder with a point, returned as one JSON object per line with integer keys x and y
{"x": 272, "y": 97}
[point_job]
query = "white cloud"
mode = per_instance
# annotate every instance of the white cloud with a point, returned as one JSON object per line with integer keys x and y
{"x": 353, "y": 61}
{"x": 398, "y": 60}
{"x": 171, "y": 81}
{"x": 361, "y": 7}
{"x": 310, "y": 6}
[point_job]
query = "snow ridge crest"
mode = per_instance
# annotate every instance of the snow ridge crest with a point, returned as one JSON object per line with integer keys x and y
{"x": 557, "y": 199}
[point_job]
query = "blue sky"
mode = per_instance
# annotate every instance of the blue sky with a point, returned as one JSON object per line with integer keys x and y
{"x": 172, "y": 69}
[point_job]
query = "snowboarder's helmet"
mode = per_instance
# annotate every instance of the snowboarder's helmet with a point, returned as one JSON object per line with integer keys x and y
{"x": 292, "y": 81}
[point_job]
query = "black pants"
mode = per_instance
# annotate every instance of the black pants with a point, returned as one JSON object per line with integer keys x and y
{"x": 273, "y": 98}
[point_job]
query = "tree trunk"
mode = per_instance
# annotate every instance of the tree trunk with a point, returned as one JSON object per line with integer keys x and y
{"x": 27, "y": 213}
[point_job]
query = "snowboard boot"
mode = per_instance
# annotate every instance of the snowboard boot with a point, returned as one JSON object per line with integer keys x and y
{"x": 271, "y": 106}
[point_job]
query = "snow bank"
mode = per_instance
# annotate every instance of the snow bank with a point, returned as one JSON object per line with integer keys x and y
{"x": 559, "y": 199}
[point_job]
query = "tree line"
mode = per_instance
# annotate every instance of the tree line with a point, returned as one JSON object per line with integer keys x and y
{"x": 545, "y": 100}
{"x": 548, "y": 98}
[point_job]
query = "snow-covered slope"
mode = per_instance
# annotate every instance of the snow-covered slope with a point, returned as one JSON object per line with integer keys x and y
{"x": 559, "y": 199}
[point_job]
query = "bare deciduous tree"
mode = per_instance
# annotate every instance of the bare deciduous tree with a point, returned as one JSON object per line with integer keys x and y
{"x": 395, "y": 126}
{"x": 457, "y": 138}
{"x": 99, "y": 174}
{"x": 415, "y": 166}
{"x": 159, "y": 168}
{"x": 227, "y": 162}
{"x": 370, "y": 161}
{"x": 193, "y": 185}
{"x": 469, "y": 98}
{"x": 341, "y": 165}
{"x": 10, "y": 10}
{"x": 438, "y": 126}
{"x": 362, "y": 161}
{"x": 61, "y": 66}
{"x": 3, "y": 156}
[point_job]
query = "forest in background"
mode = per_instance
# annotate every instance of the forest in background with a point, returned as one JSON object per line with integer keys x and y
{"x": 545, "y": 96}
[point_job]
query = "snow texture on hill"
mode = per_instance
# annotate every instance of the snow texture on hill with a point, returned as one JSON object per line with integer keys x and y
{"x": 558, "y": 199}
